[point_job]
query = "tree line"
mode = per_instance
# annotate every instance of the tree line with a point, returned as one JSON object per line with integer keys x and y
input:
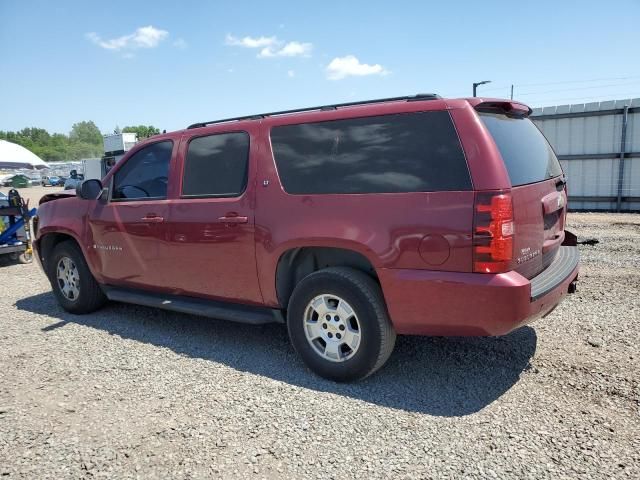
{"x": 83, "y": 141}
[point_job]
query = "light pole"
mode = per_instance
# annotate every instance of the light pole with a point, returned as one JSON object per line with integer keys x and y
{"x": 475, "y": 85}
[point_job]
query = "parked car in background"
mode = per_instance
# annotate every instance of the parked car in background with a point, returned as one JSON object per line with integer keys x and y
{"x": 16, "y": 181}
{"x": 351, "y": 223}
{"x": 61, "y": 181}
{"x": 50, "y": 181}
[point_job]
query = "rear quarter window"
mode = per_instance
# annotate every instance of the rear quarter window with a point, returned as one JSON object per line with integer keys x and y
{"x": 415, "y": 152}
{"x": 526, "y": 153}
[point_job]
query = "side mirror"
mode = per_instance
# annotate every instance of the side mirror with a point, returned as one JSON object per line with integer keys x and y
{"x": 89, "y": 189}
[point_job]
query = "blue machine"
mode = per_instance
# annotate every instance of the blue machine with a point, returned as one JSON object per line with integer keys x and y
{"x": 15, "y": 237}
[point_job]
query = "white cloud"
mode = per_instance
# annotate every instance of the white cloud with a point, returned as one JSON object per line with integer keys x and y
{"x": 249, "y": 42}
{"x": 291, "y": 49}
{"x": 342, "y": 67}
{"x": 143, "y": 37}
{"x": 271, "y": 46}
{"x": 180, "y": 43}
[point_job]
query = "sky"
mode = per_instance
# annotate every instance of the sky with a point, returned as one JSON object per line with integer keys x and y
{"x": 173, "y": 63}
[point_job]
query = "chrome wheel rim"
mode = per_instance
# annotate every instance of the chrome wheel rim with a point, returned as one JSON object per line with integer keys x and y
{"x": 68, "y": 278}
{"x": 332, "y": 328}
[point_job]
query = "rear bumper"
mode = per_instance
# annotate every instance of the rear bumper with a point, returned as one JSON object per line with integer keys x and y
{"x": 423, "y": 302}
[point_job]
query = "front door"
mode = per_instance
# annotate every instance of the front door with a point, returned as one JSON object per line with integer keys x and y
{"x": 128, "y": 230}
{"x": 211, "y": 225}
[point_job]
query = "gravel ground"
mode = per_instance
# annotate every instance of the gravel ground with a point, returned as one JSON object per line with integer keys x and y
{"x": 33, "y": 194}
{"x": 134, "y": 392}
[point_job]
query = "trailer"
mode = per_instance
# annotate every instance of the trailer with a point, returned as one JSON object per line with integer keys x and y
{"x": 92, "y": 168}
{"x": 118, "y": 143}
{"x": 115, "y": 146}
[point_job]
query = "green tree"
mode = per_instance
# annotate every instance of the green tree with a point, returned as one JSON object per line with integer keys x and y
{"x": 85, "y": 140}
{"x": 142, "y": 131}
{"x": 39, "y": 136}
{"x": 78, "y": 150}
{"x": 85, "y": 132}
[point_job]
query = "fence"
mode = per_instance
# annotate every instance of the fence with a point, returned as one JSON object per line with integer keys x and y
{"x": 598, "y": 145}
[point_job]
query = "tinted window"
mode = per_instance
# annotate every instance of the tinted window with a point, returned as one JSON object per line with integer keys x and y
{"x": 417, "y": 152}
{"x": 145, "y": 174}
{"x": 216, "y": 165}
{"x": 526, "y": 153}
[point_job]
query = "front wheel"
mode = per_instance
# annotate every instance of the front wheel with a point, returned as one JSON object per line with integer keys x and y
{"x": 72, "y": 282}
{"x": 338, "y": 323}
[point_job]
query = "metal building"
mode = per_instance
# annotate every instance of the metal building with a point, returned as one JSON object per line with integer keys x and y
{"x": 598, "y": 145}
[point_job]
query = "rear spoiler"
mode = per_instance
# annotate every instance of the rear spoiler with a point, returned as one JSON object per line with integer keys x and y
{"x": 506, "y": 107}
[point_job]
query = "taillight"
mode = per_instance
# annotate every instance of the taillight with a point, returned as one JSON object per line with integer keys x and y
{"x": 493, "y": 231}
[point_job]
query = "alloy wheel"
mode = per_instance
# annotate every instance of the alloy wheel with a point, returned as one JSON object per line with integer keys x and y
{"x": 68, "y": 278}
{"x": 332, "y": 328}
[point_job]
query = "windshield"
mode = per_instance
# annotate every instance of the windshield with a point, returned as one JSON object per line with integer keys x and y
{"x": 527, "y": 155}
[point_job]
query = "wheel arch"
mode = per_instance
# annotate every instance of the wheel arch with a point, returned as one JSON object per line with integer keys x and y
{"x": 47, "y": 243}
{"x": 297, "y": 262}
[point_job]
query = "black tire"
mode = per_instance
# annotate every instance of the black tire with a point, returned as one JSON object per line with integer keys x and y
{"x": 90, "y": 297}
{"x": 364, "y": 295}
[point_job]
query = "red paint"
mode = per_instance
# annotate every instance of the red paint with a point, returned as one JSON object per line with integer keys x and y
{"x": 528, "y": 205}
{"x": 420, "y": 244}
{"x": 434, "y": 249}
{"x": 424, "y": 302}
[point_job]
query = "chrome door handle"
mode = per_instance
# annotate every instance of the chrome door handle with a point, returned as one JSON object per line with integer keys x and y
{"x": 233, "y": 219}
{"x": 152, "y": 219}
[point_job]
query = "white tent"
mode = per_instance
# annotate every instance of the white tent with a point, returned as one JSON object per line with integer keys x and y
{"x": 15, "y": 156}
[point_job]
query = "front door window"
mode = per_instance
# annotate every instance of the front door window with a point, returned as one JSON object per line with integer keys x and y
{"x": 145, "y": 175}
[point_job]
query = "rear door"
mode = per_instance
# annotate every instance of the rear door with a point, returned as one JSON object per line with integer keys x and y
{"x": 211, "y": 226}
{"x": 538, "y": 190}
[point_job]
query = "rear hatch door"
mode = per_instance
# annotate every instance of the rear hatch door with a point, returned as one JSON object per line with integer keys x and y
{"x": 538, "y": 189}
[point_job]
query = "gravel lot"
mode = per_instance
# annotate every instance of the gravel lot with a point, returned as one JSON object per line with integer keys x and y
{"x": 134, "y": 392}
{"x": 33, "y": 194}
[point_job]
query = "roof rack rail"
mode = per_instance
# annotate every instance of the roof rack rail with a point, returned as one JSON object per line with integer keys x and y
{"x": 409, "y": 98}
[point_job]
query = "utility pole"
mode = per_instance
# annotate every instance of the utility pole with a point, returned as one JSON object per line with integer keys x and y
{"x": 623, "y": 144}
{"x": 511, "y": 91}
{"x": 475, "y": 86}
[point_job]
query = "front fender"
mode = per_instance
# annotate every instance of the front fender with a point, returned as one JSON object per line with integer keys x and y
{"x": 67, "y": 216}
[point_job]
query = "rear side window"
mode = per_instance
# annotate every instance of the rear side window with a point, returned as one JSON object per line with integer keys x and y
{"x": 527, "y": 155}
{"x": 415, "y": 152}
{"x": 216, "y": 165}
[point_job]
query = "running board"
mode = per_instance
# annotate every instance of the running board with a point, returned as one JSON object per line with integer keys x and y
{"x": 196, "y": 306}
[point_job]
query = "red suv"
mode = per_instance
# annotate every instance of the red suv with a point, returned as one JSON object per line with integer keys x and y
{"x": 350, "y": 223}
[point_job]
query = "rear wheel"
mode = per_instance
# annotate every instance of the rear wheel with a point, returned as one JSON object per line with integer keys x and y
{"x": 73, "y": 285}
{"x": 338, "y": 324}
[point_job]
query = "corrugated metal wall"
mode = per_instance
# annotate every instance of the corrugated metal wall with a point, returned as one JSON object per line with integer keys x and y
{"x": 587, "y": 140}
